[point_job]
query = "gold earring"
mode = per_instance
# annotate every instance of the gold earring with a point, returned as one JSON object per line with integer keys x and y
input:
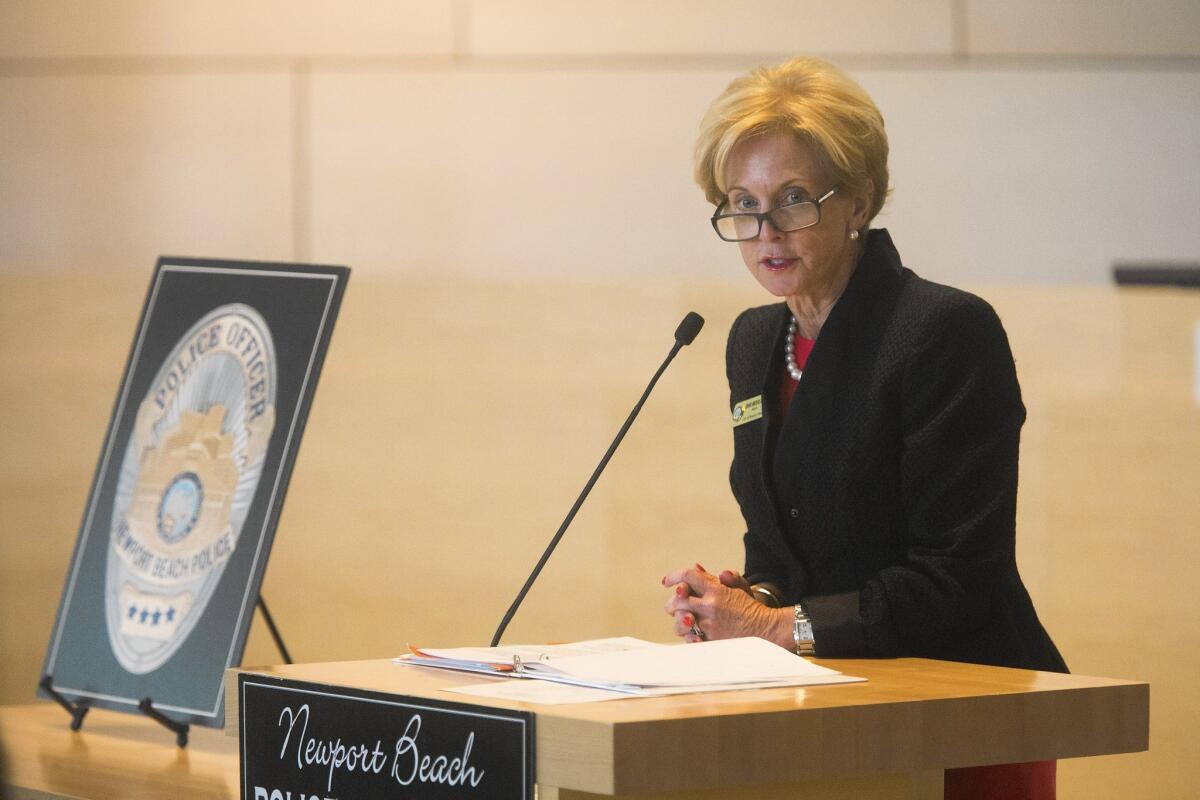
{"x": 853, "y": 235}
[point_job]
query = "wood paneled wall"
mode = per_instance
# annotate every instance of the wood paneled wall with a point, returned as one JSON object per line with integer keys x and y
{"x": 456, "y": 422}
{"x": 507, "y": 179}
{"x": 1030, "y": 141}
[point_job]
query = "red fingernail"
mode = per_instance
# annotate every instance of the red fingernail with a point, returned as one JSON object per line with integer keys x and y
{"x": 664, "y": 580}
{"x": 681, "y": 591}
{"x": 689, "y": 620}
{"x": 700, "y": 567}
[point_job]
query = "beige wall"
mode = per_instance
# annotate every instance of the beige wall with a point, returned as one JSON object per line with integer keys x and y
{"x": 507, "y": 179}
{"x": 452, "y": 429}
{"x": 1031, "y": 141}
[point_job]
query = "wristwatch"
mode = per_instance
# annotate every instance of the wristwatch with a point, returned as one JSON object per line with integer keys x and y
{"x": 802, "y": 632}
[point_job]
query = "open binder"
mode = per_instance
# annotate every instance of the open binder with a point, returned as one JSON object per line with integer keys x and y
{"x": 637, "y": 667}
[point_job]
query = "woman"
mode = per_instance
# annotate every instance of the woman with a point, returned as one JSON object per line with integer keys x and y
{"x": 876, "y": 415}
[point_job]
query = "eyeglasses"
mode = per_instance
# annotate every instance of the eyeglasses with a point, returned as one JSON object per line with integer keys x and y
{"x": 785, "y": 219}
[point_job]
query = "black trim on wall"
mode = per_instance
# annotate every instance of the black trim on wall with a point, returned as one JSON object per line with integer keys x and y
{"x": 1149, "y": 273}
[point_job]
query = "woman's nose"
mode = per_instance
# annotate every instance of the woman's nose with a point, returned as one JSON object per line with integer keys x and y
{"x": 768, "y": 232}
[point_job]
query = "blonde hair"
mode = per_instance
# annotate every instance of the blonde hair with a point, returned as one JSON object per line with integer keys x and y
{"x": 816, "y": 101}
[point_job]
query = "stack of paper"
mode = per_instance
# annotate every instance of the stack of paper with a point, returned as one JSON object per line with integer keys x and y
{"x": 633, "y": 666}
{"x": 517, "y": 657}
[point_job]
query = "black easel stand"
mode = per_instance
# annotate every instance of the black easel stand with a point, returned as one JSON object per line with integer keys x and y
{"x": 180, "y": 729}
{"x": 77, "y": 710}
{"x": 283, "y": 651}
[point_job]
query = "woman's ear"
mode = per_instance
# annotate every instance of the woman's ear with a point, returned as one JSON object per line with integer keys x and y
{"x": 861, "y": 210}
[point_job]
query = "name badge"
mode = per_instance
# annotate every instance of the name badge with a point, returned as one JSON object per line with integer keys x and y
{"x": 747, "y": 411}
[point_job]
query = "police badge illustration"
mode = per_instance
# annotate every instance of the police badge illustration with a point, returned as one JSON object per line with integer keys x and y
{"x": 162, "y": 586}
{"x": 186, "y": 483}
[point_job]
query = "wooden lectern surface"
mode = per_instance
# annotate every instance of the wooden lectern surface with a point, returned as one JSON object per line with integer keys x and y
{"x": 887, "y": 737}
{"x": 114, "y": 757}
{"x": 912, "y": 716}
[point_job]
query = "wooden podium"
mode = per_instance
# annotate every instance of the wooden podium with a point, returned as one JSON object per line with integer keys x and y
{"x": 890, "y": 737}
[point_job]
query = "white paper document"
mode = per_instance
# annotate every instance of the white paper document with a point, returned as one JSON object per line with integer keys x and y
{"x": 532, "y": 653}
{"x": 721, "y": 662}
{"x": 517, "y": 657}
{"x": 543, "y": 692}
{"x": 633, "y": 666}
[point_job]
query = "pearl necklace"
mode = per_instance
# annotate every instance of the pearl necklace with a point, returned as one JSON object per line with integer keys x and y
{"x": 789, "y": 350}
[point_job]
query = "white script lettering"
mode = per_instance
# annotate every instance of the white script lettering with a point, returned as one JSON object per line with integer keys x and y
{"x": 331, "y": 753}
{"x": 451, "y": 772}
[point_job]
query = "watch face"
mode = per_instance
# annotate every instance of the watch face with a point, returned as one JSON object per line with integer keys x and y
{"x": 802, "y": 632}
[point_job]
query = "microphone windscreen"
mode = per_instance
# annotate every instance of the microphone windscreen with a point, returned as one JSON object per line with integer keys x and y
{"x": 687, "y": 330}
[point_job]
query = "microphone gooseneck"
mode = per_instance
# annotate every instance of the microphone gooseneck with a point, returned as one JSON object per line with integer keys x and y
{"x": 684, "y": 335}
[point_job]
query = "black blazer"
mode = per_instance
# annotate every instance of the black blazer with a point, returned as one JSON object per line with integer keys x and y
{"x": 884, "y": 499}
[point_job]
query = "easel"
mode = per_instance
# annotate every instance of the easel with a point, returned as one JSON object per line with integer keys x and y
{"x": 79, "y": 710}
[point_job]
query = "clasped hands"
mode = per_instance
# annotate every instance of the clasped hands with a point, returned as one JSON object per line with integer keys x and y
{"x": 721, "y": 606}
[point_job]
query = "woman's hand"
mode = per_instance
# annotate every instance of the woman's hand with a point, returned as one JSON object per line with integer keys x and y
{"x": 722, "y": 607}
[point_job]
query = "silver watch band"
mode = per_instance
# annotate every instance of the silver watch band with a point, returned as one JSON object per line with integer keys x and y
{"x": 802, "y": 632}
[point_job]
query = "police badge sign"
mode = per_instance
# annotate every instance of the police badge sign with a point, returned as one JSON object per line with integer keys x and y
{"x": 188, "y": 475}
{"x": 182, "y": 511}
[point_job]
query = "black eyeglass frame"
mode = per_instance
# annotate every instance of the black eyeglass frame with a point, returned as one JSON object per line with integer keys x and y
{"x": 767, "y": 215}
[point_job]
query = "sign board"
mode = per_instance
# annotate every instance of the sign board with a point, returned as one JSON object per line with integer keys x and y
{"x": 311, "y": 741}
{"x": 181, "y": 516}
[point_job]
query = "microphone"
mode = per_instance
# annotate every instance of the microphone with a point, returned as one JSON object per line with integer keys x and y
{"x": 684, "y": 335}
